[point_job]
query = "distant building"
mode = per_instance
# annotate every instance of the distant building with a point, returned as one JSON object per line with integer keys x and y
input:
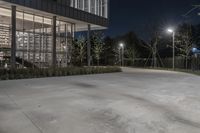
{"x": 41, "y": 31}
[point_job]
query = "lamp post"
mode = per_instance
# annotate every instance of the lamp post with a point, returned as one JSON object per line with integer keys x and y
{"x": 121, "y": 47}
{"x": 173, "y": 41}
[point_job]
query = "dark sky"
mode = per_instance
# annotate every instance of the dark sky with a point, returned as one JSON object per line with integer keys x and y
{"x": 137, "y": 15}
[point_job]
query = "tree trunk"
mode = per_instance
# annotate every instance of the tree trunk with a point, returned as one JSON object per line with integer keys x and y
{"x": 97, "y": 62}
{"x": 186, "y": 62}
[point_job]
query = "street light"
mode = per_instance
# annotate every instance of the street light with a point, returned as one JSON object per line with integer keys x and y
{"x": 121, "y": 45}
{"x": 194, "y": 50}
{"x": 170, "y": 30}
{"x": 121, "y": 51}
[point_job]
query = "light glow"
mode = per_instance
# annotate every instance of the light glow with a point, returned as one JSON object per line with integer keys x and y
{"x": 170, "y": 30}
{"x": 194, "y": 50}
{"x": 121, "y": 45}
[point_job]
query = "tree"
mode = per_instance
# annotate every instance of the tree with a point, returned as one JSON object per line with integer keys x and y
{"x": 153, "y": 48}
{"x": 109, "y": 57}
{"x": 196, "y": 35}
{"x": 98, "y": 45}
{"x": 130, "y": 54}
{"x": 184, "y": 42}
{"x": 79, "y": 50}
{"x": 133, "y": 47}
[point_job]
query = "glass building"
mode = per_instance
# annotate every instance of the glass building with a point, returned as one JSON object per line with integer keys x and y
{"x": 39, "y": 33}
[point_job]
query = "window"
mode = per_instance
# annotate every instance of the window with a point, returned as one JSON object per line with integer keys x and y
{"x": 86, "y": 7}
{"x": 80, "y": 4}
{"x": 98, "y": 7}
{"x": 72, "y": 3}
{"x": 104, "y": 8}
{"x": 92, "y": 6}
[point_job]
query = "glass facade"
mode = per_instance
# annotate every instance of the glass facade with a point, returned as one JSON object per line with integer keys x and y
{"x": 5, "y": 36}
{"x": 34, "y": 39}
{"x": 39, "y": 33}
{"x": 64, "y": 40}
{"x": 97, "y": 7}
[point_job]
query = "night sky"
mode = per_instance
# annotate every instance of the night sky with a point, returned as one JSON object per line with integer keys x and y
{"x": 137, "y": 15}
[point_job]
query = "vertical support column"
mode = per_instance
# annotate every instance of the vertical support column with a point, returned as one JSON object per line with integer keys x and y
{"x": 23, "y": 41}
{"x": 43, "y": 42}
{"x": 66, "y": 47}
{"x": 13, "y": 42}
{"x": 34, "y": 41}
{"x": 54, "y": 42}
{"x": 88, "y": 46}
{"x": 59, "y": 44}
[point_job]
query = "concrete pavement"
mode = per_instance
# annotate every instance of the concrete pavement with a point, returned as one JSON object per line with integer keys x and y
{"x": 134, "y": 101}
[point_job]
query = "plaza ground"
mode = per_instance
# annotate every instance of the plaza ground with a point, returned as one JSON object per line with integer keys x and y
{"x": 133, "y": 101}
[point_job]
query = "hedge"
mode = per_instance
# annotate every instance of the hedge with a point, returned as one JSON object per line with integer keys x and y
{"x": 9, "y": 74}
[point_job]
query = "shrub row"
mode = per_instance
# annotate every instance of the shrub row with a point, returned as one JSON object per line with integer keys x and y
{"x": 50, "y": 72}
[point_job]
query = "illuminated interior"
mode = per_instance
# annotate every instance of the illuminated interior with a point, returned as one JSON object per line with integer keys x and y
{"x": 34, "y": 39}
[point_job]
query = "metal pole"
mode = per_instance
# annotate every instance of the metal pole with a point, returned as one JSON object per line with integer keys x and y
{"x": 120, "y": 63}
{"x": 173, "y": 50}
{"x": 123, "y": 56}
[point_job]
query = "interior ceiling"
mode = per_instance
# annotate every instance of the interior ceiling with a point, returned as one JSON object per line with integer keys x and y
{"x": 28, "y": 25}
